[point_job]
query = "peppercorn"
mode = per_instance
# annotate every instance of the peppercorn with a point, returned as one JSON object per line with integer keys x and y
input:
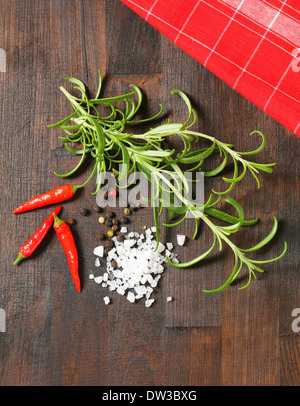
{"x": 70, "y": 221}
{"x": 108, "y": 243}
{"x": 123, "y": 219}
{"x": 120, "y": 237}
{"x": 114, "y": 263}
{"x": 100, "y": 236}
{"x": 115, "y": 222}
{"x": 115, "y": 227}
{"x": 96, "y": 208}
{"x": 113, "y": 193}
{"x": 101, "y": 220}
{"x": 108, "y": 222}
{"x": 126, "y": 211}
{"x": 138, "y": 206}
{"x": 83, "y": 211}
{"x": 110, "y": 233}
{"x": 106, "y": 251}
{"x": 109, "y": 214}
{"x": 143, "y": 227}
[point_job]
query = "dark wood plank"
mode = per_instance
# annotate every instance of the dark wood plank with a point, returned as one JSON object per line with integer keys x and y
{"x": 55, "y": 336}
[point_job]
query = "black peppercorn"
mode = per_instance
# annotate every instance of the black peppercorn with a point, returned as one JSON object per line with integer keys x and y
{"x": 83, "y": 211}
{"x": 108, "y": 222}
{"x": 115, "y": 222}
{"x": 109, "y": 214}
{"x": 96, "y": 208}
{"x": 120, "y": 237}
{"x": 114, "y": 263}
{"x": 70, "y": 221}
{"x": 123, "y": 219}
{"x": 109, "y": 243}
{"x": 100, "y": 236}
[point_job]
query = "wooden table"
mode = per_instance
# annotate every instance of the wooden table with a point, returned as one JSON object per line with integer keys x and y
{"x": 56, "y": 336}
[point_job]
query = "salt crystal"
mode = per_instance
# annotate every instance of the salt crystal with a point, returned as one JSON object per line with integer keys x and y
{"x": 99, "y": 251}
{"x": 153, "y": 229}
{"x": 97, "y": 262}
{"x": 175, "y": 260}
{"x": 169, "y": 246}
{"x": 123, "y": 230}
{"x": 98, "y": 279}
{"x": 149, "y": 302}
{"x": 169, "y": 299}
{"x": 112, "y": 285}
{"x": 121, "y": 290}
{"x": 106, "y": 300}
{"x": 131, "y": 297}
{"x": 160, "y": 247}
{"x": 180, "y": 239}
{"x": 140, "y": 290}
{"x": 91, "y": 276}
{"x": 129, "y": 243}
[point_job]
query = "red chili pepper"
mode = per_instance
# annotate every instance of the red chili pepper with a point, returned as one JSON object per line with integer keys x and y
{"x": 54, "y": 196}
{"x": 66, "y": 239}
{"x": 34, "y": 241}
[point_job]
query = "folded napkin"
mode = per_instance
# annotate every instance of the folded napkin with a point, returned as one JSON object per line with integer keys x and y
{"x": 252, "y": 45}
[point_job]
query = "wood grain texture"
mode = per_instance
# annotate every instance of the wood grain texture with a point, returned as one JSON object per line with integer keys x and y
{"x": 55, "y": 336}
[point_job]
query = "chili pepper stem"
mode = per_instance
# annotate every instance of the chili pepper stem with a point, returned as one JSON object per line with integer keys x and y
{"x": 75, "y": 187}
{"x": 19, "y": 259}
{"x": 57, "y": 221}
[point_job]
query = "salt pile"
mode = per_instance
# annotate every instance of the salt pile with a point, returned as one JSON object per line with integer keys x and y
{"x": 133, "y": 266}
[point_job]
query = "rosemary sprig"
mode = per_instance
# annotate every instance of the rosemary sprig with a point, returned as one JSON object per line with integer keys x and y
{"x": 107, "y": 139}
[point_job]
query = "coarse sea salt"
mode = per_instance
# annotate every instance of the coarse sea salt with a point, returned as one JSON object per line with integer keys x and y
{"x": 99, "y": 251}
{"x": 138, "y": 266}
{"x": 106, "y": 300}
{"x": 180, "y": 239}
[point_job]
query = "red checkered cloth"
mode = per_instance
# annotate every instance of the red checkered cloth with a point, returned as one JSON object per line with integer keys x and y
{"x": 252, "y": 45}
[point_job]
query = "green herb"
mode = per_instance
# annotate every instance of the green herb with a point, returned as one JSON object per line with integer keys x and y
{"x": 108, "y": 140}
